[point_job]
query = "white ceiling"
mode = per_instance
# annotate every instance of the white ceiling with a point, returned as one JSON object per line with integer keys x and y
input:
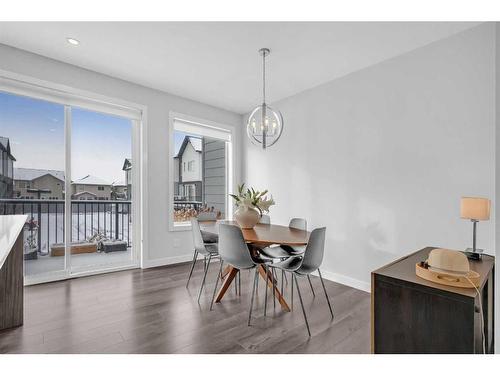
{"x": 217, "y": 63}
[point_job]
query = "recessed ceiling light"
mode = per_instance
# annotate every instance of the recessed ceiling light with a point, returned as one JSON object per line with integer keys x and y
{"x": 73, "y": 41}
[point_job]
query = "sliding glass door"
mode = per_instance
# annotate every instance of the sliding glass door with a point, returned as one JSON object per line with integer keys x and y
{"x": 57, "y": 158}
{"x": 101, "y": 188}
{"x": 32, "y": 178}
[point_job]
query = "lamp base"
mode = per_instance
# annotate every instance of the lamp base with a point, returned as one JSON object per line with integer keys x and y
{"x": 474, "y": 255}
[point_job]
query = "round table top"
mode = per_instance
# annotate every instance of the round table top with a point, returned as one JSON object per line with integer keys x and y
{"x": 264, "y": 234}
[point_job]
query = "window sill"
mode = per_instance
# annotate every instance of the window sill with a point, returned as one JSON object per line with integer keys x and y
{"x": 180, "y": 227}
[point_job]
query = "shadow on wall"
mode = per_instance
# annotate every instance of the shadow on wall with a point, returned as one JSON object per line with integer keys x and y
{"x": 370, "y": 244}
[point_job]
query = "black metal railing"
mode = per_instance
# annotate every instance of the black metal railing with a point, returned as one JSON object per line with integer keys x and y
{"x": 180, "y": 204}
{"x": 46, "y": 218}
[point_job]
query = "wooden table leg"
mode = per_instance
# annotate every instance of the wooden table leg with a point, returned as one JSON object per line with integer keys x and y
{"x": 225, "y": 271}
{"x": 231, "y": 273}
{"x": 271, "y": 285}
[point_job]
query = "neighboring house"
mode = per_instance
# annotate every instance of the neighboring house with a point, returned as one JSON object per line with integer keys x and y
{"x": 214, "y": 174}
{"x": 94, "y": 187}
{"x": 127, "y": 168}
{"x": 6, "y": 169}
{"x": 38, "y": 183}
{"x": 119, "y": 190}
{"x": 189, "y": 172}
{"x": 84, "y": 196}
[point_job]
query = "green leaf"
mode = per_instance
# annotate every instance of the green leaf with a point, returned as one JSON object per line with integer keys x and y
{"x": 235, "y": 197}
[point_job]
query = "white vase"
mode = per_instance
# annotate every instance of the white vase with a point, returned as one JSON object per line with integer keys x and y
{"x": 246, "y": 217}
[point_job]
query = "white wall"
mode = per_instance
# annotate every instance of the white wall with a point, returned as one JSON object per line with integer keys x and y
{"x": 382, "y": 156}
{"x": 163, "y": 246}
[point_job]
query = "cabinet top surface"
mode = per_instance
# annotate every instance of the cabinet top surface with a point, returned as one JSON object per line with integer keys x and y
{"x": 404, "y": 269}
{"x": 10, "y": 227}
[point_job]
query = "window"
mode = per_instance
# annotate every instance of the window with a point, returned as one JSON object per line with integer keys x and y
{"x": 100, "y": 188}
{"x": 202, "y": 158}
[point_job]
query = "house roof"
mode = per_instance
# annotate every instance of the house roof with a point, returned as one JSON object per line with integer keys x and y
{"x": 119, "y": 183}
{"x": 195, "y": 142}
{"x": 84, "y": 193}
{"x": 91, "y": 180}
{"x": 5, "y": 145}
{"x": 29, "y": 174}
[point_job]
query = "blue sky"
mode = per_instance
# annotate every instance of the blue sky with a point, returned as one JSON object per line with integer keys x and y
{"x": 100, "y": 142}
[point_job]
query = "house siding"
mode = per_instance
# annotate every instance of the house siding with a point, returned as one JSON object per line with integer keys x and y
{"x": 214, "y": 174}
{"x": 93, "y": 189}
{"x": 47, "y": 181}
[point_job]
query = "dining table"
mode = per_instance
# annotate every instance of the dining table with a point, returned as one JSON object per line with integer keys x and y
{"x": 261, "y": 235}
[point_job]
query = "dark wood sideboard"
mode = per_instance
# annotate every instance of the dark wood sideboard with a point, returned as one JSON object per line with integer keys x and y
{"x": 11, "y": 271}
{"x": 413, "y": 315}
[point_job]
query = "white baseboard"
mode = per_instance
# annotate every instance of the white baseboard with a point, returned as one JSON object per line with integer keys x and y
{"x": 332, "y": 276}
{"x": 171, "y": 260}
{"x": 346, "y": 280}
{"x": 166, "y": 261}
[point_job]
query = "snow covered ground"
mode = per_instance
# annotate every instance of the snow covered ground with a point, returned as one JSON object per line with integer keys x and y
{"x": 47, "y": 263}
{"x": 84, "y": 226}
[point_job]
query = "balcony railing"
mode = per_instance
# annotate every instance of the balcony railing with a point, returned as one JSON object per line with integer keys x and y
{"x": 88, "y": 218}
{"x": 183, "y": 205}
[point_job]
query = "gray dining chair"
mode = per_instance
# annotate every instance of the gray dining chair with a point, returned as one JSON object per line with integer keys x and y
{"x": 304, "y": 265}
{"x": 265, "y": 219}
{"x": 234, "y": 251}
{"x": 285, "y": 251}
{"x": 207, "y": 250}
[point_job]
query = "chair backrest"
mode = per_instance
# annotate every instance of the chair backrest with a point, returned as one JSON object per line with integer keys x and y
{"x": 313, "y": 255}
{"x": 207, "y": 216}
{"x": 199, "y": 245}
{"x": 265, "y": 219}
{"x": 232, "y": 247}
{"x": 298, "y": 223}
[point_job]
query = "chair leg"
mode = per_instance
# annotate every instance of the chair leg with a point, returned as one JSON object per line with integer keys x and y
{"x": 302, "y": 304}
{"x": 204, "y": 277}
{"x": 286, "y": 278}
{"x": 282, "y": 277}
{"x": 267, "y": 286}
{"x": 274, "y": 287}
{"x": 257, "y": 287}
{"x": 326, "y": 294}
{"x": 255, "y": 283}
{"x": 219, "y": 275}
{"x": 192, "y": 267}
{"x": 311, "y": 285}
{"x": 291, "y": 296}
{"x": 239, "y": 282}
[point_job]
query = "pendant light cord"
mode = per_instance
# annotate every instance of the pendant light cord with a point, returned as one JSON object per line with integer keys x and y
{"x": 264, "y": 77}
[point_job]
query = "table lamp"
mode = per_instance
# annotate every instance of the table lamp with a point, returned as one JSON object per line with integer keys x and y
{"x": 474, "y": 209}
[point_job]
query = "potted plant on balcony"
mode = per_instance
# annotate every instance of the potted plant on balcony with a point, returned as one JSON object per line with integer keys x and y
{"x": 251, "y": 205}
{"x": 31, "y": 240}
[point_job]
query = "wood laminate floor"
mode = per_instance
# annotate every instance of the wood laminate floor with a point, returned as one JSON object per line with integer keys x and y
{"x": 151, "y": 311}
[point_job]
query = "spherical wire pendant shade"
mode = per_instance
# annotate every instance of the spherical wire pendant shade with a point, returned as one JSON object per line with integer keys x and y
{"x": 265, "y": 125}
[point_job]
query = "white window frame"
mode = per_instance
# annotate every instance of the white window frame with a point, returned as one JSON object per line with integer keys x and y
{"x": 230, "y": 165}
{"x": 19, "y": 84}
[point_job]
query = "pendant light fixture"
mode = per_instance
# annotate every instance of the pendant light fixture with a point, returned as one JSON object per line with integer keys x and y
{"x": 265, "y": 125}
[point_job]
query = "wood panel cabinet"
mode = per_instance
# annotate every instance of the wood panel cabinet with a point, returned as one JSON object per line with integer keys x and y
{"x": 413, "y": 315}
{"x": 11, "y": 271}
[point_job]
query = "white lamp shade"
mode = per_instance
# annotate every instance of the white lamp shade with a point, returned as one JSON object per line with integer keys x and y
{"x": 475, "y": 208}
